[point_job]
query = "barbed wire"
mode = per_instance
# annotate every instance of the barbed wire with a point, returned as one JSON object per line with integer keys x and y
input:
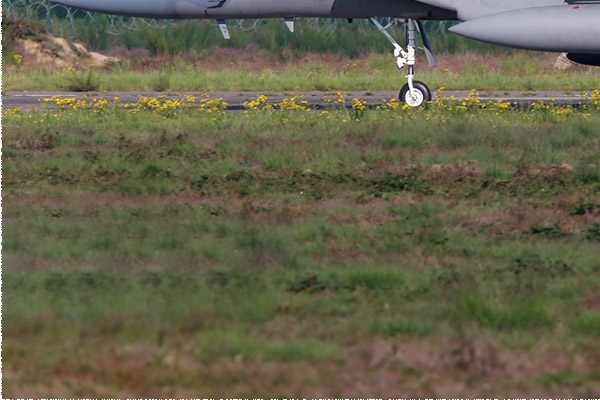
{"x": 46, "y": 10}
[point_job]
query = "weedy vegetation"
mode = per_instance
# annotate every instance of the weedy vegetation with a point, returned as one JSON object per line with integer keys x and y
{"x": 168, "y": 247}
{"x": 258, "y": 70}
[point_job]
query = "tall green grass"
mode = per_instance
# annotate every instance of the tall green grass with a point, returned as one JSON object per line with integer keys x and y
{"x": 311, "y": 35}
{"x": 374, "y": 72}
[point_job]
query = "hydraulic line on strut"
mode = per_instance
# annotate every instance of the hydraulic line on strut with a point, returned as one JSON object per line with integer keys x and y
{"x": 403, "y": 57}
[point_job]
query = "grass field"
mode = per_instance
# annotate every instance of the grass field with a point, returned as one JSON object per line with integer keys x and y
{"x": 170, "y": 249}
{"x": 255, "y": 70}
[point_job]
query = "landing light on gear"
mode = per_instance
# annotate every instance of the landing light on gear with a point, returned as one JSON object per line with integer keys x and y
{"x": 414, "y": 93}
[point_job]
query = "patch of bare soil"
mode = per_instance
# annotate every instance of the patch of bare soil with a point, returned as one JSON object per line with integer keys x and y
{"x": 59, "y": 52}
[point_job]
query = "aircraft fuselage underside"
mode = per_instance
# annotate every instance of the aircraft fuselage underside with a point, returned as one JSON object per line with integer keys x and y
{"x": 237, "y": 9}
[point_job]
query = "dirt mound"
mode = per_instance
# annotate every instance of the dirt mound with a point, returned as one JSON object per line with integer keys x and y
{"x": 60, "y": 52}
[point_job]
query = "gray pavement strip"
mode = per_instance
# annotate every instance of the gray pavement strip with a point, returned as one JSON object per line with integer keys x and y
{"x": 317, "y": 100}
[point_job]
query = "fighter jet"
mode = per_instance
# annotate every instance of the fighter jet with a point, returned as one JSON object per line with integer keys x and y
{"x": 571, "y": 26}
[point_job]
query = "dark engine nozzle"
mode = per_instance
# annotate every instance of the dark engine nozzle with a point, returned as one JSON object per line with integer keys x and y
{"x": 585, "y": 59}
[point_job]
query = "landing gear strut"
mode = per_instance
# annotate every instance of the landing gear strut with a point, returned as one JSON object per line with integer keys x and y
{"x": 413, "y": 93}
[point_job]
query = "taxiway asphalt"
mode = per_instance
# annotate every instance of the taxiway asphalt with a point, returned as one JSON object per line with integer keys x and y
{"x": 318, "y": 100}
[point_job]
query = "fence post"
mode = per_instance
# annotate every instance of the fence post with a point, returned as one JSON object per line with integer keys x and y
{"x": 49, "y": 15}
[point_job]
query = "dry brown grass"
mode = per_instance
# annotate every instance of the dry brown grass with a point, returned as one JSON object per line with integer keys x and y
{"x": 386, "y": 368}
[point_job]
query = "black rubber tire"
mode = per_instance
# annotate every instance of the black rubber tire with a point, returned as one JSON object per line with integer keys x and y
{"x": 424, "y": 94}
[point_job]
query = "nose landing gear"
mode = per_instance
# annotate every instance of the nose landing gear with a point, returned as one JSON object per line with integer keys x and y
{"x": 413, "y": 93}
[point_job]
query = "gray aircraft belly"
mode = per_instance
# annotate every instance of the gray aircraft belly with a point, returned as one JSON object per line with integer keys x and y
{"x": 179, "y": 9}
{"x": 470, "y": 9}
{"x": 141, "y": 8}
{"x": 234, "y": 9}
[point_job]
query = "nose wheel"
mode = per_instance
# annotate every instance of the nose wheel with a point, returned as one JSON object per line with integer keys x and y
{"x": 413, "y": 93}
{"x": 416, "y": 97}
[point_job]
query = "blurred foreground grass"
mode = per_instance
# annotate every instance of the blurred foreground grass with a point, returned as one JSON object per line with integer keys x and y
{"x": 177, "y": 250}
